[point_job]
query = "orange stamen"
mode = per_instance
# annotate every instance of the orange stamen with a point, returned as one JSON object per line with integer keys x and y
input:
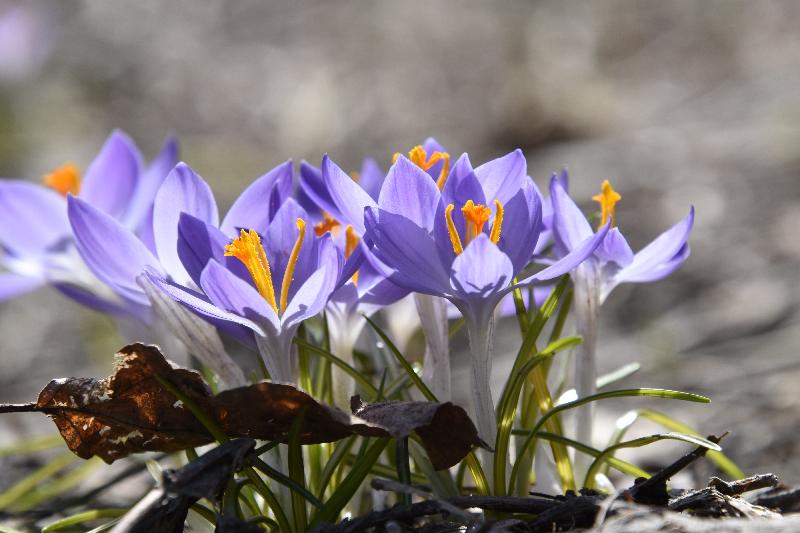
{"x": 247, "y": 248}
{"x": 607, "y": 199}
{"x": 419, "y": 157}
{"x": 328, "y": 224}
{"x": 498, "y": 222}
{"x": 476, "y": 215}
{"x": 455, "y": 240}
{"x": 350, "y": 244}
{"x": 291, "y": 264}
{"x": 66, "y": 179}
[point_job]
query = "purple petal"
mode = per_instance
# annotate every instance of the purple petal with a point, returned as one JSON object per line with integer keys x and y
{"x": 662, "y": 256}
{"x": 348, "y": 198}
{"x": 140, "y": 211}
{"x": 501, "y": 178}
{"x": 313, "y": 195}
{"x": 13, "y": 285}
{"x": 33, "y": 218}
{"x": 279, "y": 240}
{"x": 410, "y": 192}
{"x": 113, "y": 177}
{"x": 184, "y": 191}
{"x": 614, "y": 249}
{"x": 409, "y": 250}
{"x": 481, "y": 270}
{"x": 313, "y": 294}
{"x": 371, "y": 178}
{"x": 229, "y": 293}
{"x": 571, "y": 260}
{"x": 92, "y": 301}
{"x": 256, "y": 206}
{"x": 197, "y": 303}
{"x": 198, "y": 243}
{"x": 522, "y": 224}
{"x": 109, "y": 249}
{"x": 570, "y": 226}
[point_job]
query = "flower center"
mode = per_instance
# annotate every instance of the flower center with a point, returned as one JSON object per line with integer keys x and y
{"x": 248, "y": 249}
{"x": 328, "y": 224}
{"x": 351, "y": 240}
{"x": 475, "y": 216}
{"x": 419, "y": 157}
{"x": 607, "y": 199}
{"x": 64, "y": 180}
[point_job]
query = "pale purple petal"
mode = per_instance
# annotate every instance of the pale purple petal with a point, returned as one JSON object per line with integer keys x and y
{"x": 111, "y": 251}
{"x": 198, "y": 243}
{"x": 256, "y": 206}
{"x": 13, "y": 285}
{"x": 346, "y": 195}
{"x": 313, "y": 195}
{"x": 570, "y": 261}
{"x": 199, "y": 304}
{"x": 410, "y": 192}
{"x": 279, "y": 240}
{"x": 409, "y": 250}
{"x": 140, "y": 212}
{"x": 229, "y": 293}
{"x": 522, "y": 224}
{"x": 570, "y": 226}
{"x": 92, "y": 301}
{"x": 481, "y": 270}
{"x": 184, "y": 191}
{"x": 113, "y": 177}
{"x": 501, "y": 178}
{"x": 614, "y": 249}
{"x": 33, "y": 218}
{"x": 311, "y": 297}
{"x": 662, "y": 256}
{"x": 371, "y": 178}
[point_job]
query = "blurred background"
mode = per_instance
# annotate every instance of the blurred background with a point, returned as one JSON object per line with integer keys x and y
{"x": 677, "y": 103}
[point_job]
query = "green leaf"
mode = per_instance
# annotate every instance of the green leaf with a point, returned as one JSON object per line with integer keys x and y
{"x": 352, "y": 372}
{"x": 403, "y": 362}
{"x": 589, "y": 481}
{"x": 722, "y": 461}
{"x": 297, "y": 472}
{"x": 618, "y": 464}
{"x": 24, "y": 486}
{"x": 643, "y": 392}
{"x": 32, "y": 445}
{"x": 621, "y": 373}
{"x": 80, "y": 518}
{"x": 339, "y": 453}
{"x": 344, "y": 492}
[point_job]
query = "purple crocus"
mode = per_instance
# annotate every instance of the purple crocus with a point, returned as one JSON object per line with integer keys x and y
{"x": 468, "y": 255}
{"x": 612, "y": 263}
{"x": 288, "y": 276}
{"x": 35, "y": 233}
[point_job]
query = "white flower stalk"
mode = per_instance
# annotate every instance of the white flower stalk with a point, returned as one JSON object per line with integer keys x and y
{"x": 436, "y": 368}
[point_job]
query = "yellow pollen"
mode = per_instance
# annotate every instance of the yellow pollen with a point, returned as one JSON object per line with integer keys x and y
{"x": 498, "y": 222}
{"x": 328, "y": 224}
{"x": 64, "y": 180}
{"x": 247, "y": 248}
{"x": 289, "y": 273}
{"x": 475, "y": 215}
{"x": 419, "y": 157}
{"x": 455, "y": 240}
{"x": 350, "y": 243}
{"x": 607, "y": 199}
{"x": 355, "y": 176}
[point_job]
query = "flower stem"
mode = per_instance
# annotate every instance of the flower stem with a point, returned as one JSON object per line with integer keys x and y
{"x": 481, "y": 336}
{"x": 587, "y": 315}
{"x": 432, "y": 312}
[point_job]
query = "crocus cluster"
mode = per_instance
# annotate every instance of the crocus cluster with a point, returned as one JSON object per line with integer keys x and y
{"x": 147, "y": 242}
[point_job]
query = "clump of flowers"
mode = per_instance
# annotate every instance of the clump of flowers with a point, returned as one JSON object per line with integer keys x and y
{"x": 301, "y": 264}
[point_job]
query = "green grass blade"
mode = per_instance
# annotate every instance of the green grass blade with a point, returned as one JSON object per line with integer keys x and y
{"x": 339, "y": 453}
{"x": 723, "y": 462}
{"x": 341, "y": 496}
{"x": 621, "y": 373}
{"x": 643, "y": 392}
{"x": 297, "y": 472}
{"x": 403, "y": 362}
{"x": 80, "y": 518}
{"x": 29, "y": 482}
{"x": 352, "y": 372}
{"x": 58, "y": 486}
{"x": 589, "y": 481}
{"x": 32, "y": 445}
{"x": 618, "y": 464}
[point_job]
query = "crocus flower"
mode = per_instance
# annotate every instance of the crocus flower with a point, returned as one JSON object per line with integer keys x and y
{"x": 289, "y": 274}
{"x": 468, "y": 255}
{"x": 35, "y": 232}
{"x": 612, "y": 263}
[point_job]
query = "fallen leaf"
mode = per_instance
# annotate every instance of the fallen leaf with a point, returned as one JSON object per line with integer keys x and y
{"x": 131, "y": 412}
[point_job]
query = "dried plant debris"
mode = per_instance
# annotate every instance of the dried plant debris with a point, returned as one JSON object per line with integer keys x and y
{"x": 131, "y": 412}
{"x": 446, "y": 431}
